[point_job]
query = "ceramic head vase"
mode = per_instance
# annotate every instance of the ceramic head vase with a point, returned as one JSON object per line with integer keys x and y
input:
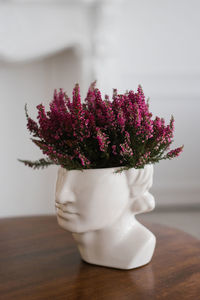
{"x": 99, "y": 206}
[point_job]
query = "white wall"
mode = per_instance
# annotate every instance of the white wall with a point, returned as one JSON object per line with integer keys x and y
{"x": 24, "y": 191}
{"x": 159, "y": 47}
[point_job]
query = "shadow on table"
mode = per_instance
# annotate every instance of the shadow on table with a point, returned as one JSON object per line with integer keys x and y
{"x": 94, "y": 282}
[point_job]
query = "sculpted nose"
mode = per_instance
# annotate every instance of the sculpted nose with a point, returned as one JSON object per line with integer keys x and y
{"x": 65, "y": 197}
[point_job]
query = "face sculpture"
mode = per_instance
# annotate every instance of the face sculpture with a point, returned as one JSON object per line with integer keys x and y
{"x": 94, "y": 199}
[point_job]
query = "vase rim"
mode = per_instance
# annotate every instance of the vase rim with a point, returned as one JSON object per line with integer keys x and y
{"x": 106, "y": 169}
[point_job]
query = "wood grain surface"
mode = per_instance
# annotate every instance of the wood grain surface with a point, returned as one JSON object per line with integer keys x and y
{"x": 39, "y": 260}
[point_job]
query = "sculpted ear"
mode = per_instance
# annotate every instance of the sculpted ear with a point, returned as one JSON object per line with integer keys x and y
{"x": 140, "y": 181}
{"x": 143, "y": 204}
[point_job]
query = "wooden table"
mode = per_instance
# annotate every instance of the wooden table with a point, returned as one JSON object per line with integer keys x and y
{"x": 39, "y": 260}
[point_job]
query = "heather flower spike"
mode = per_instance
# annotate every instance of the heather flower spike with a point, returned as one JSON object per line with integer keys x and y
{"x": 99, "y": 133}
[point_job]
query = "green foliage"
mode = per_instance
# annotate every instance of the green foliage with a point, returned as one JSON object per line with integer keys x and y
{"x": 38, "y": 164}
{"x": 100, "y": 133}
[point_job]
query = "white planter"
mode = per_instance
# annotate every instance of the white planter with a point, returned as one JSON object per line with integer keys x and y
{"x": 99, "y": 206}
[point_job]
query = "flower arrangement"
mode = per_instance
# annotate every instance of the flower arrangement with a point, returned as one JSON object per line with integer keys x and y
{"x": 100, "y": 133}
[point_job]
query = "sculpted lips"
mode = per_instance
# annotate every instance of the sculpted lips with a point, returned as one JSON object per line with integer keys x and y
{"x": 65, "y": 209}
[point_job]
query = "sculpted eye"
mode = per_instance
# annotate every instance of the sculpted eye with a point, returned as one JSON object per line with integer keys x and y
{"x": 75, "y": 192}
{"x": 78, "y": 192}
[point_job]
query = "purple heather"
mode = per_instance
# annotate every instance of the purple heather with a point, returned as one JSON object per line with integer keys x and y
{"x": 100, "y": 133}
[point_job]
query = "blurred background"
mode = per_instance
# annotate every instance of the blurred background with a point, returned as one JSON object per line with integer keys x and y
{"x": 46, "y": 44}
